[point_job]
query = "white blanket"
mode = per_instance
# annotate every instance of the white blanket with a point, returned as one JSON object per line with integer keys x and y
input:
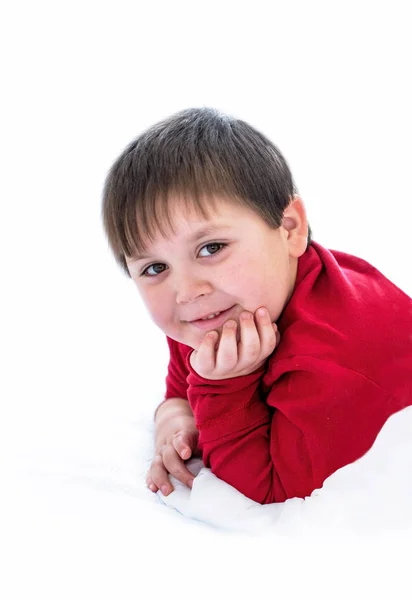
{"x": 77, "y": 520}
{"x": 368, "y": 497}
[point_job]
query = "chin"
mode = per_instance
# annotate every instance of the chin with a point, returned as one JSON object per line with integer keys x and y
{"x": 188, "y": 340}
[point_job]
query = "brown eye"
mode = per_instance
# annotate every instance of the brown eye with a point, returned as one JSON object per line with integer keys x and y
{"x": 213, "y": 248}
{"x": 154, "y": 266}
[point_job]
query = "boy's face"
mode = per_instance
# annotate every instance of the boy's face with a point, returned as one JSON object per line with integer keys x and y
{"x": 241, "y": 265}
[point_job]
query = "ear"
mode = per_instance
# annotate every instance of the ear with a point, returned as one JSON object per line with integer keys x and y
{"x": 295, "y": 227}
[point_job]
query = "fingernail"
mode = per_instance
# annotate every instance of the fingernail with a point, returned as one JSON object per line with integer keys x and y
{"x": 165, "y": 489}
{"x": 185, "y": 453}
{"x": 152, "y": 487}
{"x": 262, "y": 312}
{"x": 245, "y": 315}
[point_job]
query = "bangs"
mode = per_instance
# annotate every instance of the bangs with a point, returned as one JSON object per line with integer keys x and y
{"x": 189, "y": 163}
{"x": 157, "y": 216}
{"x": 140, "y": 215}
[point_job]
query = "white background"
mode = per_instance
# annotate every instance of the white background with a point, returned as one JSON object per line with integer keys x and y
{"x": 83, "y": 368}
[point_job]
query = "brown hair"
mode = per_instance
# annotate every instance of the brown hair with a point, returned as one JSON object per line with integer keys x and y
{"x": 198, "y": 155}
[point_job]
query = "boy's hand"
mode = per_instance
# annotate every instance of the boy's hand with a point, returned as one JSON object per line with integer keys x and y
{"x": 176, "y": 442}
{"x": 231, "y": 358}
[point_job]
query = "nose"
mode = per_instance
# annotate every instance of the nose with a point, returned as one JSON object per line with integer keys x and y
{"x": 189, "y": 286}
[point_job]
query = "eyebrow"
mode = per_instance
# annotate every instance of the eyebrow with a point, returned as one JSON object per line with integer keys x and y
{"x": 197, "y": 235}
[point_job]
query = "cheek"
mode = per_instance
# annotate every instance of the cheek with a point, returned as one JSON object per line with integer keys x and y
{"x": 263, "y": 283}
{"x": 251, "y": 276}
{"x": 157, "y": 304}
{"x": 238, "y": 277}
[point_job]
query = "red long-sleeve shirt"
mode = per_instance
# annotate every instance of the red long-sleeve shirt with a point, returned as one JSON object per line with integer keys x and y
{"x": 343, "y": 366}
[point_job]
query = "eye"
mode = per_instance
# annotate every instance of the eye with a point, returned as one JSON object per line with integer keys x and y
{"x": 145, "y": 273}
{"x": 215, "y": 247}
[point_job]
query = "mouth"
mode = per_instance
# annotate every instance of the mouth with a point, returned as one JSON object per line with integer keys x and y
{"x": 214, "y": 321}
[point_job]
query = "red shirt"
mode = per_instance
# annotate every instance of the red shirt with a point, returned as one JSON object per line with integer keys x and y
{"x": 342, "y": 367}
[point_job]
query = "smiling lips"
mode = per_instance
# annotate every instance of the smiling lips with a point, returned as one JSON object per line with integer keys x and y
{"x": 215, "y": 321}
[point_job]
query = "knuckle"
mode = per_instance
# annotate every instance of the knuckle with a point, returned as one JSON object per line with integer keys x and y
{"x": 227, "y": 354}
{"x": 253, "y": 351}
{"x": 178, "y": 438}
{"x": 273, "y": 341}
{"x": 156, "y": 470}
{"x": 160, "y": 450}
{"x": 170, "y": 458}
{"x": 158, "y": 460}
{"x": 228, "y": 357}
{"x": 179, "y": 473}
{"x": 158, "y": 473}
{"x": 159, "y": 477}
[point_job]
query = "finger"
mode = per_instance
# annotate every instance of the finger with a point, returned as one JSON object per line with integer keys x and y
{"x": 249, "y": 345}
{"x": 206, "y": 355}
{"x": 267, "y": 331}
{"x": 152, "y": 486}
{"x": 227, "y": 354}
{"x": 184, "y": 444}
{"x": 159, "y": 476}
{"x": 176, "y": 467}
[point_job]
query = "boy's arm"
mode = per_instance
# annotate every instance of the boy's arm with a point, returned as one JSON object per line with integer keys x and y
{"x": 170, "y": 408}
{"x": 234, "y": 432}
{"x": 175, "y": 425}
{"x": 167, "y": 405}
{"x": 176, "y": 438}
{"x": 316, "y": 418}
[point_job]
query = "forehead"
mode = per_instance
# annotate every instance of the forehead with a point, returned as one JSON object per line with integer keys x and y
{"x": 190, "y": 223}
{"x": 205, "y": 209}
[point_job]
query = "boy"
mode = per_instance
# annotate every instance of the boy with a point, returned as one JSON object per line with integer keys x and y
{"x": 202, "y": 212}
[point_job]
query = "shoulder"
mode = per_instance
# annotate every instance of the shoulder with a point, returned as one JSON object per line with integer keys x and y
{"x": 345, "y": 294}
{"x": 327, "y": 272}
{"x": 344, "y": 311}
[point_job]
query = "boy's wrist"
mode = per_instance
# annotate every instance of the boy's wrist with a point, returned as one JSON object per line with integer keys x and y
{"x": 172, "y": 407}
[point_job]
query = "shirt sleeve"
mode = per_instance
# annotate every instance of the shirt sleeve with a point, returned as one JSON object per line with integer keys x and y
{"x": 234, "y": 427}
{"x": 326, "y": 416}
{"x": 314, "y": 419}
{"x": 177, "y": 372}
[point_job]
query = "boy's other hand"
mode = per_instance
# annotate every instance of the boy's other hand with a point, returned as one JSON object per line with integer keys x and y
{"x": 176, "y": 442}
{"x": 227, "y": 358}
